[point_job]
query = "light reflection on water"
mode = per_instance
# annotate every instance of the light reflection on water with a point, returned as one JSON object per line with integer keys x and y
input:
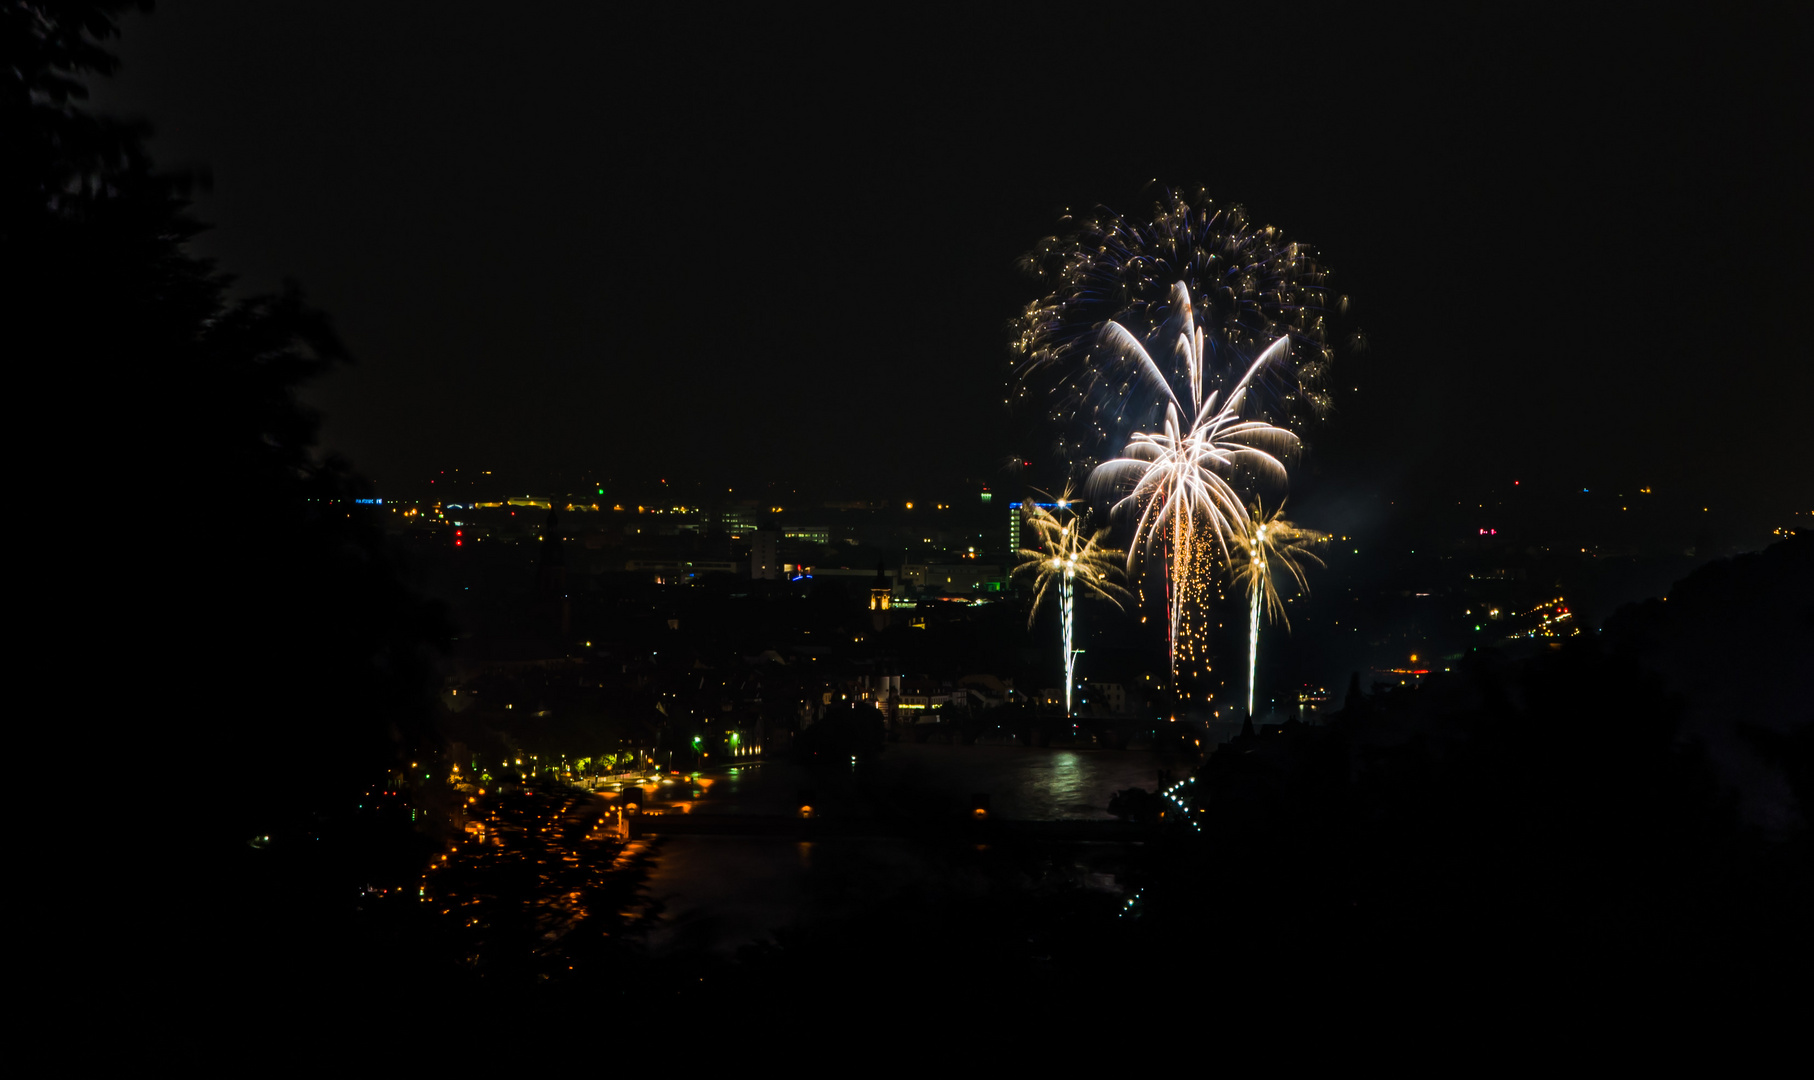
{"x": 725, "y": 891}
{"x": 1023, "y": 783}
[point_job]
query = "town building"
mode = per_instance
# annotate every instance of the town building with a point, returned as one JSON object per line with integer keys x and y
{"x": 765, "y": 555}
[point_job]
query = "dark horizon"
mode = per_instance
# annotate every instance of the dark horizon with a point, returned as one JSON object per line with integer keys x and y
{"x": 755, "y": 255}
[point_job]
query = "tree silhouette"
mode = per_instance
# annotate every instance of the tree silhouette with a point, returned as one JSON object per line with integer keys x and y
{"x": 252, "y": 617}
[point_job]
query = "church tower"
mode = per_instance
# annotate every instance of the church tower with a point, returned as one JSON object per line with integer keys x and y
{"x": 881, "y": 590}
{"x": 881, "y": 598}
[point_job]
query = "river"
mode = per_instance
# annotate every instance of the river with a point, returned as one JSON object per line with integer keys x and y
{"x": 721, "y": 892}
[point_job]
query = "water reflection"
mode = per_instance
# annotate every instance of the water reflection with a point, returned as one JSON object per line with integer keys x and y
{"x": 724, "y": 891}
{"x": 1024, "y": 784}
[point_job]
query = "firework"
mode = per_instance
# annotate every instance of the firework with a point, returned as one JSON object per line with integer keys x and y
{"x": 1177, "y": 481}
{"x": 1266, "y": 545}
{"x": 1252, "y": 288}
{"x": 1064, "y": 561}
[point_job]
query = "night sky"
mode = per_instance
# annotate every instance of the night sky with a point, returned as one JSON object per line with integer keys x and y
{"x": 781, "y": 248}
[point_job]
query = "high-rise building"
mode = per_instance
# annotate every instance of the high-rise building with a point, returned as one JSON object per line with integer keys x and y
{"x": 1014, "y": 522}
{"x": 739, "y": 520}
{"x": 765, "y": 555}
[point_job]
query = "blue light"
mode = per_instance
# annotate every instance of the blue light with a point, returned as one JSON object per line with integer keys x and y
{"x": 369, "y": 502}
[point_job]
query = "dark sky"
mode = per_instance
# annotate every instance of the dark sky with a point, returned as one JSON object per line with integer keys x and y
{"x": 780, "y": 247}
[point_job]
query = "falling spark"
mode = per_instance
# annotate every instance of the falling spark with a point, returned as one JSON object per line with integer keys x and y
{"x": 1177, "y": 480}
{"x": 1264, "y": 545}
{"x": 1066, "y": 558}
{"x": 1253, "y": 288}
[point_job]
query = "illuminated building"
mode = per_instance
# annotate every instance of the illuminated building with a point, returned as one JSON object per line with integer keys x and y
{"x": 1014, "y": 522}
{"x": 739, "y": 521}
{"x": 881, "y": 590}
{"x": 811, "y": 534}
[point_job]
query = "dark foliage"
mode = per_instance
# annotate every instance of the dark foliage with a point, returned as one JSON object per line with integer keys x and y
{"x": 1490, "y": 830}
{"x": 1136, "y": 804}
{"x": 847, "y": 730}
{"x": 277, "y": 669}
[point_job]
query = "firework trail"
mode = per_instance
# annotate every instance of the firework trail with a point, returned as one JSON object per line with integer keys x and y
{"x": 1176, "y": 481}
{"x": 1252, "y": 289}
{"x": 1266, "y": 545}
{"x": 1065, "y": 558}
